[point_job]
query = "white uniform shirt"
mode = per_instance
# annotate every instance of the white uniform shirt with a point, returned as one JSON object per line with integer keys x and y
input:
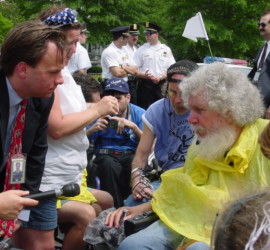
{"x": 66, "y": 157}
{"x": 130, "y": 52}
{"x": 79, "y": 60}
{"x": 155, "y": 58}
{"x": 113, "y": 56}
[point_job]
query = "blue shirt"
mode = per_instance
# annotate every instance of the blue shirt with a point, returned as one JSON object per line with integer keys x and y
{"x": 120, "y": 142}
{"x": 172, "y": 131}
{"x": 14, "y": 105}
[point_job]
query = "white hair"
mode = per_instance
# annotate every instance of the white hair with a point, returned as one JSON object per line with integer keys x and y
{"x": 227, "y": 91}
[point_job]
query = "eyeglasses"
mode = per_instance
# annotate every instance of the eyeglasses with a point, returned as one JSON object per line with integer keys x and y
{"x": 173, "y": 94}
{"x": 263, "y": 24}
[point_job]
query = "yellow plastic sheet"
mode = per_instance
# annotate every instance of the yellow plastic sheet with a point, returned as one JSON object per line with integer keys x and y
{"x": 189, "y": 198}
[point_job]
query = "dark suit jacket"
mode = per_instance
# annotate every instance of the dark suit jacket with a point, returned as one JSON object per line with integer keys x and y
{"x": 263, "y": 82}
{"x": 34, "y": 141}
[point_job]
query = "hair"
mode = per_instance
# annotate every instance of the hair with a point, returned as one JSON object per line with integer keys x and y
{"x": 264, "y": 141}
{"x": 266, "y": 11}
{"x": 233, "y": 228}
{"x": 117, "y": 35}
{"x": 28, "y": 42}
{"x": 88, "y": 84}
{"x": 226, "y": 91}
{"x": 55, "y": 9}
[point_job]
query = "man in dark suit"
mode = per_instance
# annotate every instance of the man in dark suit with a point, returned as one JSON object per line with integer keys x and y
{"x": 31, "y": 60}
{"x": 260, "y": 74}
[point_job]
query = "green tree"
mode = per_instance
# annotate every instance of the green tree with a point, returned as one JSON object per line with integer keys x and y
{"x": 231, "y": 27}
{"x": 9, "y": 16}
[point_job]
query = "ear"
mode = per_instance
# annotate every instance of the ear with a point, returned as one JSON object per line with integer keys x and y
{"x": 128, "y": 96}
{"x": 22, "y": 69}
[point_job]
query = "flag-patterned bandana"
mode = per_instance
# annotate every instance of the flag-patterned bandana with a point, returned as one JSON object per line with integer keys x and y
{"x": 64, "y": 17}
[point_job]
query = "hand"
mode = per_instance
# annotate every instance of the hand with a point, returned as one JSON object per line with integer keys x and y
{"x": 122, "y": 123}
{"x": 155, "y": 79}
{"x": 140, "y": 192}
{"x": 12, "y": 202}
{"x": 147, "y": 74}
{"x": 107, "y": 105}
{"x": 113, "y": 218}
{"x": 267, "y": 113}
{"x": 100, "y": 125}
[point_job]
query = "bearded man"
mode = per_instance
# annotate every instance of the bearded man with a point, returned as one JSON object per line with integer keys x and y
{"x": 224, "y": 162}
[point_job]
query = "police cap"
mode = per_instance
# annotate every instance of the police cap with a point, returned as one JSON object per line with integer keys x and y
{"x": 134, "y": 29}
{"x": 120, "y": 30}
{"x": 151, "y": 27}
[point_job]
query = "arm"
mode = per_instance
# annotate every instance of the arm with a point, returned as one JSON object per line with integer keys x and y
{"x": 61, "y": 125}
{"x": 118, "y": 71}
{"x": 145, "y": 75}
{"x": 124, "y": 123}
{"x": 12, "y": 202}
{"x": 100, "y": 125}
{"x": 130, "y": 69}
{"x": 140, "y": 161}
{"x": 113, "y": 218}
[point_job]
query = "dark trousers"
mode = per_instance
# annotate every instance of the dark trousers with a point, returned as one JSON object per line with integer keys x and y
{"x": 132, "y": 84}
{"x": 147, "y": 93}
{"x": 114, "y": 173}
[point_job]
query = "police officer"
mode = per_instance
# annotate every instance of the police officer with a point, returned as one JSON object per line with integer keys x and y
{"x": 152, "y": 59}
{"x": 114, "y": 59}
{"x": 130, "y": 49}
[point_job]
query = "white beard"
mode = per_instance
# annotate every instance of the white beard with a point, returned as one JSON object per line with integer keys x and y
{"x": 216, "y": 143}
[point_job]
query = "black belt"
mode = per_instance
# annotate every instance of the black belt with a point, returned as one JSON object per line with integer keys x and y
{"x": 108, "y": 151}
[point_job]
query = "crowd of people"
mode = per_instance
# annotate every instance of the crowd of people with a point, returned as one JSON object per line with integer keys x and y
{"x": 207, "y": 128}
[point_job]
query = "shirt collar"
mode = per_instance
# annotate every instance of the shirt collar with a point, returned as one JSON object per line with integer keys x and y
{"x": 14, "y": 98}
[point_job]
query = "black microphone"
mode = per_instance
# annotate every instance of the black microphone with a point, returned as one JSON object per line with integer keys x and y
{"x": 69, "y": 190}
{"x": 170, "y": 113}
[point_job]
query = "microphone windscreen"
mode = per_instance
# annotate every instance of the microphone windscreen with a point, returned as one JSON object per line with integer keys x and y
{"x": 71, "y": 190}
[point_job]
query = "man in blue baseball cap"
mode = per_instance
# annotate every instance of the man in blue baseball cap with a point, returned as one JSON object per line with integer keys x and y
{"x": 116, "y": 139}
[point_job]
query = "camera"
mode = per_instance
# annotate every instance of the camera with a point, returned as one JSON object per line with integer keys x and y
{"x": 139, "y": 222}
{"x": 112, "y": 123}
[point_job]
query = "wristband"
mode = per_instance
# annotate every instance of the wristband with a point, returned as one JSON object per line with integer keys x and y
{"x": 136, "y": 169}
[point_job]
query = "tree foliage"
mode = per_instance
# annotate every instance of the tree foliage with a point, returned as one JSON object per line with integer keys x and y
{"x": 231, "y": 25}
{"x": 7, "y": 18}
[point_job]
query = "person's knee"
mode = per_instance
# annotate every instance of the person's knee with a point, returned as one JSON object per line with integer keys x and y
{"x": 86, "y": 214}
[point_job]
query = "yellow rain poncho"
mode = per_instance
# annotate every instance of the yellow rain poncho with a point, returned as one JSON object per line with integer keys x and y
{"x": 189, "y": 198}
{"x": 85, "y": 196}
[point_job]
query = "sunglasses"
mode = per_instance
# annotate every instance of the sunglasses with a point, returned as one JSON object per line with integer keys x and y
{"x": 149, "y": 33}
{"x": 263, "y": 24}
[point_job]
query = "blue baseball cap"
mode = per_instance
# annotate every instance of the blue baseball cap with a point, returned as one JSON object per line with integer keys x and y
{"x": 117, "y": 84}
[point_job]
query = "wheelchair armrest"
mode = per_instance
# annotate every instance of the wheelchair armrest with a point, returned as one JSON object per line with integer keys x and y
{"x": 139, "y": 222}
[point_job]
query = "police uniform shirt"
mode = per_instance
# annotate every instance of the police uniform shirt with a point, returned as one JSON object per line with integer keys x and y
{"x": 130, "y": 52}
{"x": 155, "y": 58}
{"x": 110, "y": 57}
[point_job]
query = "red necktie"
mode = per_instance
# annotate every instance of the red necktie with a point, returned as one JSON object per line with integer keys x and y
{"x": 263, "y": 56}
{"x": 7, "y": 227}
